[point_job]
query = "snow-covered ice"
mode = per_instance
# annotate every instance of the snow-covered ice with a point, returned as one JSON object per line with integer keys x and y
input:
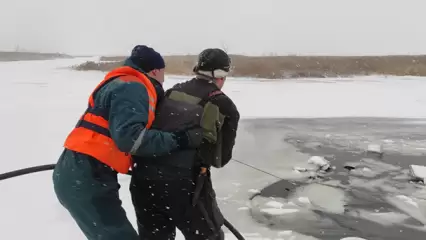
{"x": 42, "y": 100}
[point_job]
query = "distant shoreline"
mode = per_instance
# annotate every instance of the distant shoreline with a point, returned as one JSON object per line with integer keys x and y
{"x": 28, "y": 56}
{"x": 289, "y": 67}
{"x": 267, "y": 67}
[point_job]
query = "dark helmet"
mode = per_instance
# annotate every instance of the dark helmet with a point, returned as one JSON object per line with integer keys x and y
{"x": 213, "y": 59}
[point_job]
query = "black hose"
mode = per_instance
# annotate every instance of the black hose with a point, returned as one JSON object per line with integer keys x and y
{"x": 24, "y": 171}
{"x": 46, "y": 167}
{"x": 233, "y": 230}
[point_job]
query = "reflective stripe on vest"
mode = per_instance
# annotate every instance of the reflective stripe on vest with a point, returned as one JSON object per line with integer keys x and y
{"x": 91, "y": 135}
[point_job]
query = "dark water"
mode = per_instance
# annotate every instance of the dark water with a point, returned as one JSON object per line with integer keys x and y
{"x": 342, "y": 141}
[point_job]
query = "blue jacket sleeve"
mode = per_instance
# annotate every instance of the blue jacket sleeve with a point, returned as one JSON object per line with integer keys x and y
{"x": 128, "y": 116}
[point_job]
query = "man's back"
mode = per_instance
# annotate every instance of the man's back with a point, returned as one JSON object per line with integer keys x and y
{"x": 202, "y": 89}
{"x": 173, "y": 115}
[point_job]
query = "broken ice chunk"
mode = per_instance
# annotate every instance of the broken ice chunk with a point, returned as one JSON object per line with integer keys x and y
{"x": 274, "y": 204}
{"x": 285, "y": 233}
{"x": 300, "y": 169}
{"x": 353, "y": 238}
{"x": 375, "y": 148}
{"x": 243, "y": 208}
{"x": 320, "y": 162}
{"x": 418, "y": 172}
{"x": 253, "y": 191}
{"x": 278, "y": 211}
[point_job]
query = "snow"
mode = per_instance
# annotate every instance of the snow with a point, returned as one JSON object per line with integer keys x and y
{"x": 42, "y": 101}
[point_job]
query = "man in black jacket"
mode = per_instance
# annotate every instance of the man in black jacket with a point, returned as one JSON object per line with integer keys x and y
{"x": 176, "y": 190}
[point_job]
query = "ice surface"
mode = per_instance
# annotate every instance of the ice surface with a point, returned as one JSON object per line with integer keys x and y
{"x": 42, "y": 100}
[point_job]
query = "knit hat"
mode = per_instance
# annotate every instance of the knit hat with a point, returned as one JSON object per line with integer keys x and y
{"x": 147, "y": 58}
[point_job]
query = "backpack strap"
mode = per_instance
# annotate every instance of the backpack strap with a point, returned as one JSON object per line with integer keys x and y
{"x": 168, "y": 92}
{"x": 209, "y": 97}
{"x": 204, "y": 100}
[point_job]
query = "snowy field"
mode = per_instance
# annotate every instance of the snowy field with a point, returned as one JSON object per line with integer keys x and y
{"x": 42, "y": 100}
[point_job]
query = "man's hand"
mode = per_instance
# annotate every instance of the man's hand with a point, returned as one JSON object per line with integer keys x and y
{"x": 189, "y": 138}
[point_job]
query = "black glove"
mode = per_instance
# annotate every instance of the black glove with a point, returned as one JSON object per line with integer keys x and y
{"x": 189, "y": 138}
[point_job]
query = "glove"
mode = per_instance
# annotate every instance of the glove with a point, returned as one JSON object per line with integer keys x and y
{"x": 189, "y": 138}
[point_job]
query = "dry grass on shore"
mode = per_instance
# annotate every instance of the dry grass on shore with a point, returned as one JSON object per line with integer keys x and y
{"x": 273, "y": 67}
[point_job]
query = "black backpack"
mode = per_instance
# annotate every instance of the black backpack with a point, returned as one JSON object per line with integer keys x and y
{"x": 179, "y": 110}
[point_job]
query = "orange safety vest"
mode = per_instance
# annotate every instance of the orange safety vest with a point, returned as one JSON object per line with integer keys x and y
{"x": 91, "y": 135}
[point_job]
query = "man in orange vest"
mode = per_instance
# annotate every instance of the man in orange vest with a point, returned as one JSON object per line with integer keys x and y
{"x": 115, "y": 126}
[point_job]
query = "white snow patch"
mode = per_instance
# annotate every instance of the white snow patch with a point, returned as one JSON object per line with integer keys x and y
{"x": 274, "y": 204}
{"x": 304, "y": 200}
{"x": 353, "y": 238}
{"x": 278, "y": 211}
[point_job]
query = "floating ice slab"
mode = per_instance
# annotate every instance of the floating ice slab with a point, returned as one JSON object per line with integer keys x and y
{"x": 375, "y": 148}
{"x": 418, "y": 172}
{"x": 304, "y": 200}
{"x": 317, "y": 160}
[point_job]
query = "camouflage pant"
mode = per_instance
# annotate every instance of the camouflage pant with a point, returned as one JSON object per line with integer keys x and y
{"x": 88, "y": 189}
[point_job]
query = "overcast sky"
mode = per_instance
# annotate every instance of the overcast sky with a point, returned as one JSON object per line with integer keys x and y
{"x": 255, "y": 27}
